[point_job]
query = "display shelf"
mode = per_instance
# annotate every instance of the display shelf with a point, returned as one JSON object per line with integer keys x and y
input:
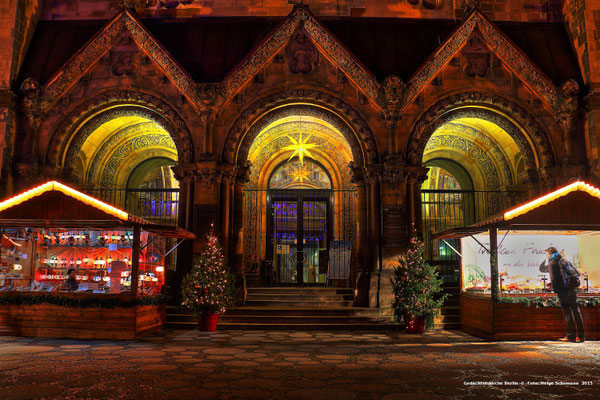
{"x": 80, "y": 247}
{"x": 76, "y": 269}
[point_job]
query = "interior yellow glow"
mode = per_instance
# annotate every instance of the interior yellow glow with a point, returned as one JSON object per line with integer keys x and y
{"x": 540, "y": 201}
{"x": 300, "y": 147}
{"x": 53, "y": 185}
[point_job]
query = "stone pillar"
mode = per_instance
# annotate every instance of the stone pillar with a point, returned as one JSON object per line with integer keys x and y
{"x": 227, "y": 177}
{"x": 359, "y": 270}
{"x": 236, "y": 249}
{"x": 7, "y": 134}
{"x": 373, "y": 177}
{"x": 592, "y": 134}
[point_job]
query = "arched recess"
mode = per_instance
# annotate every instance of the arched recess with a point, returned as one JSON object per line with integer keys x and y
{"x": 531, "y": 139}
{"x": 73, "y": 131}
{"x": 305, "y": 102}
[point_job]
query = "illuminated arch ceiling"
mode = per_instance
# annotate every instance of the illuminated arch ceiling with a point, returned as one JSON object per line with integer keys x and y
{"x": 114, "y": 150}
{"x": 490, "y": 157}
{"x": 332, "y": 151}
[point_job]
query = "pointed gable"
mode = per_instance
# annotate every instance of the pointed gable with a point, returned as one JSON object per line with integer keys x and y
{"x": 329, "y": 46}
{"x": 90, "y": 54}
{"x": 476, "y": 24}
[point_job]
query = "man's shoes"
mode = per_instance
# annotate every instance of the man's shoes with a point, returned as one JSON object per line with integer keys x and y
{"x": 566, "y": 339}
{"x": 577, "y": 340}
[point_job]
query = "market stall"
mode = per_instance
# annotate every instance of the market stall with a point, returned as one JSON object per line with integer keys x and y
{"x": 504, "y": 295}
{"x": 116, "y": 263}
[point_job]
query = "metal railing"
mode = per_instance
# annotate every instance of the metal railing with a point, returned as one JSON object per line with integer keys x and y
{"x": 306, "y": 235}
{"x": 446, "y": 209}
{"x": 160, "y": 206}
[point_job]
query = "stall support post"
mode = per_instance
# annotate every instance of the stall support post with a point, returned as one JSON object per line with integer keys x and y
{"x": 494, "y": 263}
{"x": 135, "y": 260}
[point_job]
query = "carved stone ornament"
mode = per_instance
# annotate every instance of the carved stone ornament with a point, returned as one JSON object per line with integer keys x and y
{"x": 357, "y": 173}
{"x": 568, "y": 103}
{"x": 301, "y": 55}
{"x": 206, "y": 173}
{"x": 477, "y": 55}
{"x": 134, "y": 3}
{"x": 502, "y": 49}
{"x": 123, "y": 64}
{"x": 392, "y": 90}
{"x": 243, "y": 173}
{"x": 32, "y": 92}
{"x": 396, "y": 171}
{"x": 428, "y": 4}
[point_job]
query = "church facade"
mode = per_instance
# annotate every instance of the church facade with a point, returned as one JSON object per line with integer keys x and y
{"x": 310, "y": 137}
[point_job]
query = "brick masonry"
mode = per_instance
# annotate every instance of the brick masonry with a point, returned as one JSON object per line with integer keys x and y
{"x": 502, "y": 10}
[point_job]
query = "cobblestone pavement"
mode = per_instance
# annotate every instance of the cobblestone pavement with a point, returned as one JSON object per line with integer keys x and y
{"x": 298, "y": 365}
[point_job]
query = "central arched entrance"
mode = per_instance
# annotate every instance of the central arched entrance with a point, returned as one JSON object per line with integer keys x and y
{"x": 299, "y": 212}
{"x": 300, "y": 221}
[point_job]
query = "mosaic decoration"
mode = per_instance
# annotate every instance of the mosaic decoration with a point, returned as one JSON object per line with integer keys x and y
{"x": 265, "y": 111}
{"x": 112, "y": 165}
{"x": 486, "y": 144}
{"x": 455, "y": 106}
{"x": 295, "y": 175}
{"x": 159, "y": 111}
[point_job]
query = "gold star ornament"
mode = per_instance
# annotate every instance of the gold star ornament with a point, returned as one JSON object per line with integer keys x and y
{"x": 300, "y": 173}
{"x": 300, "y": 147}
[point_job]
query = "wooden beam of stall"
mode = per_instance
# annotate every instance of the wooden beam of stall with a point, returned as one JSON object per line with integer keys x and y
{"x": 135, "y": 260}
{"x": 494, "y": 263}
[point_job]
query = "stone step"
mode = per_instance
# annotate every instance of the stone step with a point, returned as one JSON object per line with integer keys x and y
{"x": 298, "y": 290}
{"x": 312, "y": 327}
{"x": 299, "y": 297}
{"x": 297, "y": 303}
{"x": 279, "y": 319}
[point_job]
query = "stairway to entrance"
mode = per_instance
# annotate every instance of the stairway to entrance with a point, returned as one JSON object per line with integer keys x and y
{"x": 449, "y": 317}
{"x": 293, "y": 308}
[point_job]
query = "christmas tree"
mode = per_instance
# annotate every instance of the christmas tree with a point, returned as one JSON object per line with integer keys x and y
{"x": 208, "y": 288}
{"x": 416, "y": 286}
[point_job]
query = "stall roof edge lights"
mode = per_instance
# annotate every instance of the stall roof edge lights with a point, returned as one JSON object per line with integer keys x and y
{"x": 54, "y": 185}
{"x": 545, "y": 199}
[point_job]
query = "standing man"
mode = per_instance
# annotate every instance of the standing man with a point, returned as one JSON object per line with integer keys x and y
{"x": 566, "y": 295}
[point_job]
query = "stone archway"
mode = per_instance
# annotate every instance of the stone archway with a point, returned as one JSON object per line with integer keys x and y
{"x": 305, "y": 102}
{"x": 75, "y": 129}
{"x": 534, "y": 145}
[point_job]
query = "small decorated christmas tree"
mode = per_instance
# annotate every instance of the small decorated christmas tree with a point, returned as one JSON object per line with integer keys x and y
{"x": 416, "y": 286}
{"x": 208, "y": 288}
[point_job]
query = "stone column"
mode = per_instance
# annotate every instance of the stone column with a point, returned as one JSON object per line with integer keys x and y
{"x": 227, "y": 178}
{"x": 7, "y": 134}
{"x": 236, "y": 250}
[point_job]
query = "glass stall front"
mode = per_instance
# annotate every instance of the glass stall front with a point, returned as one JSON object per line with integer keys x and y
{"x": 520, "y": 254}
{"x": 39, "y": 260}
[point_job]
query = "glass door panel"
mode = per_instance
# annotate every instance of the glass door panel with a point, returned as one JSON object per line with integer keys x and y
{"x": 314, "y": 240}
{"x": 285, "y": 240}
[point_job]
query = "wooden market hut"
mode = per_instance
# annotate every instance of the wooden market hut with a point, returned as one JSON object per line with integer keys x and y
{"x": 128, "y": 315}
{"x": 574, "y": 207}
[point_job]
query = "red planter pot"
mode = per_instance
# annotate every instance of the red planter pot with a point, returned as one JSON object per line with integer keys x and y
{"x": 208, "y": 322}
{"x": 415, "y": 324}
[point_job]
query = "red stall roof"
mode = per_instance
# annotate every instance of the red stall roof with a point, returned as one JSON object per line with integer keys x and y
{"x": 54, "y": 204}
{"x": 572, "y": 207}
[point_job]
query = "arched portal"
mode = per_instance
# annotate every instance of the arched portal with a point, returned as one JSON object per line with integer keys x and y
{"x": 122, "y": 154}
{"x": 476, "y": 169}
{"x": 299, "y": 214}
